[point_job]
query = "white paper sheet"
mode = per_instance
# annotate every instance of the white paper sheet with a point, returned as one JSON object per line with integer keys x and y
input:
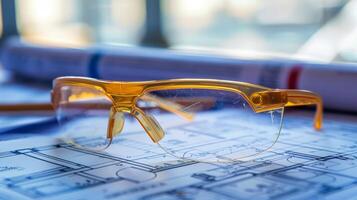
{"x": 304, "y": 164}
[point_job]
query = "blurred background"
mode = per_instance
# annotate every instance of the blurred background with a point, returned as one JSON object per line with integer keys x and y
{"x": 318, "y": 29}
{"x": 319, "y": 38}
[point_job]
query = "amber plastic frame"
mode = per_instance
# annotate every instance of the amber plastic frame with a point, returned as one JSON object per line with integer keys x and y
{"x": 124, "y": 96}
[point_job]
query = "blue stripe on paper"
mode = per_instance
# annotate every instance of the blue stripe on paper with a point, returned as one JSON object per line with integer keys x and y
{"x": 93, "y": 65}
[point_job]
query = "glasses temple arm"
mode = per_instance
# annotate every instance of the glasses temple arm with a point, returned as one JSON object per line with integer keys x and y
{"x": 164, "y": 104}
{"x": 304, "y": 98}
{"x": 170, "y": 106}
{"x": 23, "y": 107}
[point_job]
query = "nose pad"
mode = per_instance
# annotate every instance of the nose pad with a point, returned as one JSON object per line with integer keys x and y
{"x": 151, "y": 126}
{"x": 115, "y": 123}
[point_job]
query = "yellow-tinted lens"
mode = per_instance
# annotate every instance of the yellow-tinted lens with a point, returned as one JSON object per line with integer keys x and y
{"x": 222, "y": 126}
{"x": 84, "y": 114}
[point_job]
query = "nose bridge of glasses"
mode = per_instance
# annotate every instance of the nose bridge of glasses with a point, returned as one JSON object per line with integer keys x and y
{"x": 124, "y": 95}
{"x": 124, "y": 103}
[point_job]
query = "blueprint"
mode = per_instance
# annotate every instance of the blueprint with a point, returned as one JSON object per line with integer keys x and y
{"x": 303, "y": 164}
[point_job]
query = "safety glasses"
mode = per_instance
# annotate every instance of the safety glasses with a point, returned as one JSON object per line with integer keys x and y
{"x": 197, "y": 119}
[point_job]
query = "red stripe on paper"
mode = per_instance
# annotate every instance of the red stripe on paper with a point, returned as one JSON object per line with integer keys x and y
{"x": 293, "y": 78}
